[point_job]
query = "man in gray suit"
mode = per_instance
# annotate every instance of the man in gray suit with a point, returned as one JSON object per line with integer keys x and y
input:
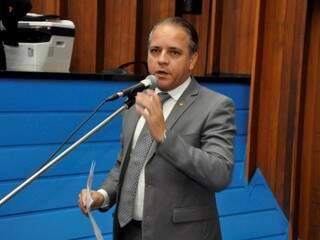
{"x": 186, "y": 149}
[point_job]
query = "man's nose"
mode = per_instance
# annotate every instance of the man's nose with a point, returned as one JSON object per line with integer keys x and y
{"x": 163, "y": 58}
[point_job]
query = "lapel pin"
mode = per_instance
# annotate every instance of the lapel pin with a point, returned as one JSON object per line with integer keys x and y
{"x": 181, "y": 104}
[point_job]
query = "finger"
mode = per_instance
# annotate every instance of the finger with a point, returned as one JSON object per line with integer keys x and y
{"x": 80, "y": 200}
{"x": 152, "y": 96}
{"x": 157, "y": 99}
{"x": 145, "y": 98}
{"x": 141, "y": 99}
{"x": 83, "y": 197}
{"x": 150, "y": 92}
{"x": 82, "y": 207}
{"x": 146, "y": 113}
{"x": 139, "y": 109}
{"x": 149, "y": 101}
{"x": 84, "y": 211}
{"x": 143, "y": 111}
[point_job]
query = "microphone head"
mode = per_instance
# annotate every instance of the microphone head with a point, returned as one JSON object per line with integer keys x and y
{"x": 150, "y": 81}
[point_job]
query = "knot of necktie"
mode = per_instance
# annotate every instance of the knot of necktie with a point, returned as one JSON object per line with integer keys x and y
{"x": 164, "y": 96}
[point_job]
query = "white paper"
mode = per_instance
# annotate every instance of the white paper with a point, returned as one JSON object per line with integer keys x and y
{"x": 95, "y": 227}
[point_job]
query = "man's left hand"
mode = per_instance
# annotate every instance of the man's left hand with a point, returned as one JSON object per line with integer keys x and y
{"x": 148, "y": 104}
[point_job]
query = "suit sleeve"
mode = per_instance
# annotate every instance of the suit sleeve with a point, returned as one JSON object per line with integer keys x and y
{"x": 210, "y": 164}
{"x": 111, "y": 183}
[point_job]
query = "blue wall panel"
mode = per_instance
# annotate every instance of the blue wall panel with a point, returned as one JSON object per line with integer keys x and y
{"x": 36, "y": 116}
{"x": 253, "y": 225}
{"x": 56, "y": 95}
{"x": 49, "y": 128}
{"x": 237, "y": 176}
{"x": 52, "y": 193}
{"x": 240, "y": 148}
{"x": 20, "y": 161}
{"x": 65, "y": 223}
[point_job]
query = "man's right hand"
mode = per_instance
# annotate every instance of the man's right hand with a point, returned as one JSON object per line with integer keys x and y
{"x": 98, "y": 200}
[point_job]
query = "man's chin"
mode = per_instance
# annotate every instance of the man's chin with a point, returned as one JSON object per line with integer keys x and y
{"x": 163, "y": 84}
{"x": 164, "y": 87}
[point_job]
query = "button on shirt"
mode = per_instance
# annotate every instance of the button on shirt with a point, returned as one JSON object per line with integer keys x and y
{"x": 166, "y": 108}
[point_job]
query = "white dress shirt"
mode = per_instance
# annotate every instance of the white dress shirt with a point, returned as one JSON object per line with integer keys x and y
{"x": 166, "y": 108}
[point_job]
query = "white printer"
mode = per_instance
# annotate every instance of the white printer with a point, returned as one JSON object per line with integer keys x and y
{"x": 45, "y": 45}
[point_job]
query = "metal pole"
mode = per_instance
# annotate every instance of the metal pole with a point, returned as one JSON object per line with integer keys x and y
{"x": 62, "y": 155}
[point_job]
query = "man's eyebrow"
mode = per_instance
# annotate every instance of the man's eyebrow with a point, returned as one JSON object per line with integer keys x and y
{"x": 175, "y": 49}
{"x": 170, "y": 48}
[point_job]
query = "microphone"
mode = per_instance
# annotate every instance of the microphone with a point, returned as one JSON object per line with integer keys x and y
{"x": 149, "y": 82}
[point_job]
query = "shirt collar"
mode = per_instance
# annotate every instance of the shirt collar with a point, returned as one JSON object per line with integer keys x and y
{"x": 178, "y": 91}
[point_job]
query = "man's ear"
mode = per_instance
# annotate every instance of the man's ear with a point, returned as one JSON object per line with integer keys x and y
{"x": 193, "y": 61}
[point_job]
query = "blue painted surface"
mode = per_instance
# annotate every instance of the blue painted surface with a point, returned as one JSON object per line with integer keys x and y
{"x": 36, "y": 115}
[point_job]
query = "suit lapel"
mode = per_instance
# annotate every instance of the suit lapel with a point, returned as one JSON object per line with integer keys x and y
{"x": 183, "y": 103}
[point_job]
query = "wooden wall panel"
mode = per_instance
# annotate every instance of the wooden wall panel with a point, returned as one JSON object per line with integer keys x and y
{"x": 278, "y": 98}
{"x": 46, "y": 7}
{"x": 314, "y": 204}
{"x": 214, "y": 37}
{"x": 270, "y": 94}
{"x": 309, "y": 194}
{"x": 317, "y": 138}
{"x": 255, "y": 86}
{"x": 317, "y": 110}
{"x": 120, "y": 32}
{"x": 149, "y": 13}
{"x": 315, "y": 215}
{"x": 237, "y": 36}
{"x": 317, "y": 193}
{"x": 314, "y": 233}
{"x": 316, "y": 176}
{"x": 201, "y": 24}
{"x": 84, "y": 14}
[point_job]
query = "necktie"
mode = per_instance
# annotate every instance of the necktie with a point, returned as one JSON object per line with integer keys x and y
{"x": 137, "y": 159}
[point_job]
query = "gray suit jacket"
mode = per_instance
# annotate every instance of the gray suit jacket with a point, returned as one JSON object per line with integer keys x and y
{"x": 183, "y": 174}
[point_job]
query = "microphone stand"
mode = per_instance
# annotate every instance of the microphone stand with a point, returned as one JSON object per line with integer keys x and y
{"x": 128, "y": 103}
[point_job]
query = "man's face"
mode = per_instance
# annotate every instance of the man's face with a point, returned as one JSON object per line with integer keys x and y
{"x": 169, "y": 57}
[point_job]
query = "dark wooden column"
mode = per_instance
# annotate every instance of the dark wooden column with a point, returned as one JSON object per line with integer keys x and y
{"x": 237, "y": 36}
{"x": 120, "y": 32}
{"x": 85, "y": 16}
{"x": 277, "y": 80}
{"x": 214, "y": 37}
{"x": 309, "y": 182}
{"x": 46, "y": 7}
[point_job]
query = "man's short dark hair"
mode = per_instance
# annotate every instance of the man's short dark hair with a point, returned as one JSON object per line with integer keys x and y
{"x": 186, "y": 25}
